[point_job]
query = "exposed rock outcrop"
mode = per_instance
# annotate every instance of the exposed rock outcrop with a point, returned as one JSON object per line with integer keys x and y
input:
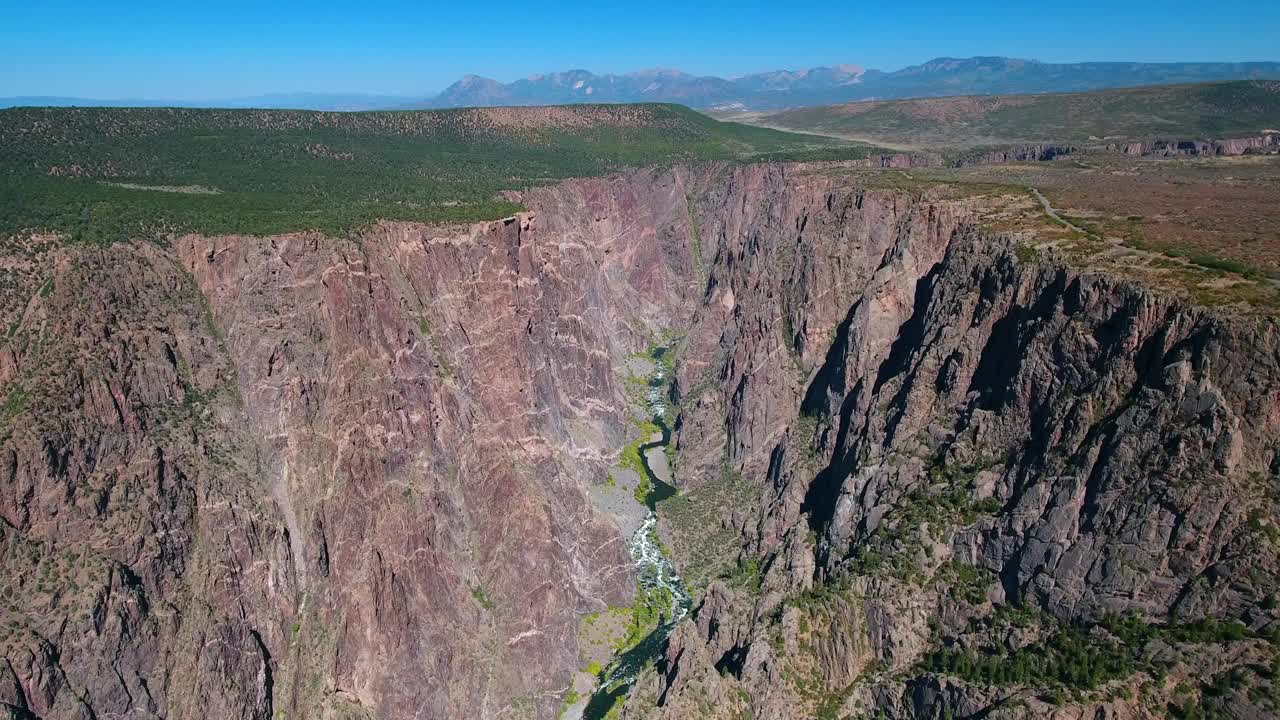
{"x": 1265, "y": 143}
{"x": 943, "y": 426}
{"x": 1020, "y": 153}
{"x": 326, "y": 478}
{"x": 306, "y": 477}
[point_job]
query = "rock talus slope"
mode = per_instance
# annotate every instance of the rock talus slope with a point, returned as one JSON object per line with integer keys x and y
{"x": 305, "y": 477}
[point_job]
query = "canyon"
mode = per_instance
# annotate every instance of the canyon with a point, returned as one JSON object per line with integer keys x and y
{"x": 303, "y": 476}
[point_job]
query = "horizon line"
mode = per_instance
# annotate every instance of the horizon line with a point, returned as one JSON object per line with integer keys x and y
{"x": 428, "y": 95}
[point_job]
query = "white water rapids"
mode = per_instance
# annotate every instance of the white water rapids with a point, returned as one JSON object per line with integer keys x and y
{"x": 656, "y": 576}
{"x": 656, "y": 571}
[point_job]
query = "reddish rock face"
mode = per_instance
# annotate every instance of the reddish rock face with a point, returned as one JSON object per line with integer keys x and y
{"x": 145, "y": 572}
{"x": 305, "y": 477}
{"x": 909, "y": 397}
{"x": 433, "y": 405}
{"x": 324, "y": 477}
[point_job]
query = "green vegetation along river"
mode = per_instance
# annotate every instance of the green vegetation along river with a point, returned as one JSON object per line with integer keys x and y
{"x": 659, "y": 583}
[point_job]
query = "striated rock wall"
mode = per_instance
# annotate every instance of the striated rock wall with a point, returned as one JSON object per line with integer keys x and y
{"x": 435, "y": 406}
{"x": 325, "y": 478}
{"x": 923, "y": 409}
{"x": 305, "y": 477}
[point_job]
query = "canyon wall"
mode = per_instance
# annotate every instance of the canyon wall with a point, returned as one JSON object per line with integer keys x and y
{"x": 1017, "y": 153}
{"x": 941, "y": 426}
{"x": 1267, "y": 143}
{"x": 305, "y": 477}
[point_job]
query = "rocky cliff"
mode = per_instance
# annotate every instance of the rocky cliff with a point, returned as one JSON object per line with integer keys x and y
{"x": 1017, "y": 153}
{"x": 304, "y": 477}
{"x": 1258, "y": 144}
{"x": 946, "y": 431}
{"x": 322, "y": 478}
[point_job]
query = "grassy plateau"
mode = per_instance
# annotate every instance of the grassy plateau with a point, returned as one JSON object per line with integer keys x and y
{"x": 104, "y": 174}
{"x": 1183, "y": 111}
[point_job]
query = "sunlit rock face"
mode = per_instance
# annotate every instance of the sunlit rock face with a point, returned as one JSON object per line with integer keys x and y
{"x": 299, "y": 476}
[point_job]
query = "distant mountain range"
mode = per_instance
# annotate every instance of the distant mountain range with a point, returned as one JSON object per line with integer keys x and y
{"x": 660, "y": 85}
{"x": 762, "y": 91}
{"x": 842, "y": 83}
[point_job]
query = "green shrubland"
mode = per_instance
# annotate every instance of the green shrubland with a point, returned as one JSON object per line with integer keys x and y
{"x": 108, "y": 174}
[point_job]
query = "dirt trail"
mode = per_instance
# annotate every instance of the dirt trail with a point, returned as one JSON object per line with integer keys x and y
{"x": 1051, "y": 212}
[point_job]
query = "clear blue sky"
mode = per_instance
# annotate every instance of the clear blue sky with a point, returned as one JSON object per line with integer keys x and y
{"x": 201, "y": 51}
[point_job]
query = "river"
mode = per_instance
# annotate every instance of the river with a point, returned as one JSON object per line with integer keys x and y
{"x": 654, "y": 570}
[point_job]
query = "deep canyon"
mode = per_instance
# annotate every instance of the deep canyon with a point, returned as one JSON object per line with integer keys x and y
{"x": 304, "y": 477}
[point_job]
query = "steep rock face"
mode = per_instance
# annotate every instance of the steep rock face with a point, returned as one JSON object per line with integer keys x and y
{"x": 1020, "y": 153}
{"x": 325, "y": 478}
{"x": 299, "y": 476}
{"x": 435, "y": 406}
{"x": 1064, "y": 378}
{"x": 145, "y": 576}
{"x": 944, "y": 414}
{"x": 1267, "y": 143}
{"x": 775, "y": 300}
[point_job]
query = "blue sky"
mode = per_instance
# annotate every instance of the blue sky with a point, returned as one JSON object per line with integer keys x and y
{"x": 213, "y": 50}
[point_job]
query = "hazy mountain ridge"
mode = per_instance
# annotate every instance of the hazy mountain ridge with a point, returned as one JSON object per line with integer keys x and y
{"x": 842, "y": 83}
{"x": 773, "y": 90}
